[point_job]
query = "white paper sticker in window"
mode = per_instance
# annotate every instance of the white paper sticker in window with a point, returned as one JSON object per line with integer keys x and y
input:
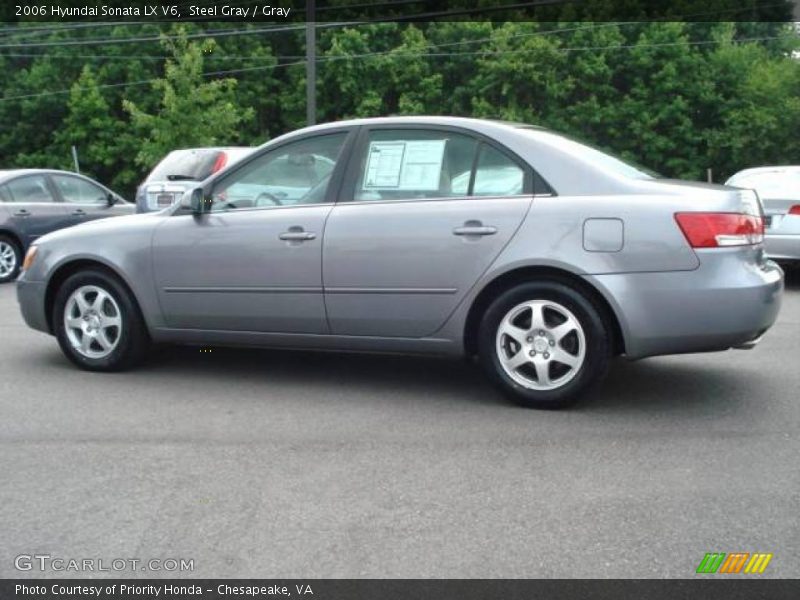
{"x": 411, "y": 165}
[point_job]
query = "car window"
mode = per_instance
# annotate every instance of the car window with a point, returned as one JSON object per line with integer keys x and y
{"x": 79, "y": 191}
{"x": 413, "y": 164}
{"x": 31, "y": 188}
{"x": 5, "y": 196}
{"x": 191, "y": 165}
{"x": 295, "y": 173}
{"x": 496, "y": 174}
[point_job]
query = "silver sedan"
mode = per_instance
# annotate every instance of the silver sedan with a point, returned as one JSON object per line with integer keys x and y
{"x": 539, "y": 255}
{"x": 779, "y": 189}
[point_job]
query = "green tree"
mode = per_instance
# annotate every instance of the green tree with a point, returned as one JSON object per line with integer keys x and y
{"x": 192, "y": 111}
{"x": 378, "y": 70}
{"x": 101, "y": 138}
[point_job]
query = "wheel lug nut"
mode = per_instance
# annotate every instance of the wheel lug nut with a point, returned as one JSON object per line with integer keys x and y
{"x": 541, "y": 332}
{"x": 546, "y": 355}
{"x": 532, "y": 353}
{"x": 529, "y": 340}
{"x": 552, "y": 342}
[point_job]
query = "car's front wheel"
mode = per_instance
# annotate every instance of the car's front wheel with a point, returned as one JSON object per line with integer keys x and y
{"x": 544, "y": 344}
{"x": 10, "y": 259}
{"x": 97, "y": 322}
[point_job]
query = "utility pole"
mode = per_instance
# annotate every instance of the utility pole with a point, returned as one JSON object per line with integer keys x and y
{"x": 75, "y": 159}
{"x": 311, "y": 64}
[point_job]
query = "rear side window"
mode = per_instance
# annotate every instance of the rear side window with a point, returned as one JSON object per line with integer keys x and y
{"x": 32, "y": 188}
{"x": 194, "y": 165}
{"x": 497, "y": 175}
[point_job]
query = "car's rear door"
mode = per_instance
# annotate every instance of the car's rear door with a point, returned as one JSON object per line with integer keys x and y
{"x": 34, "y": 207}
{"x": 409, "y": 236}
{"x": 254, "y": 262}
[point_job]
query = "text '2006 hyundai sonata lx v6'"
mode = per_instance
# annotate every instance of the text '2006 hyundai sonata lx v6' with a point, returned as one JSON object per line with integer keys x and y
{"x": 540, "y": 255}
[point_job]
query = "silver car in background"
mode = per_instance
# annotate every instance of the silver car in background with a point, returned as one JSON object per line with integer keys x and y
{"x": 179, "y": 171}
{"x": 779, "y": 190}
{"x": 540, "y": 255}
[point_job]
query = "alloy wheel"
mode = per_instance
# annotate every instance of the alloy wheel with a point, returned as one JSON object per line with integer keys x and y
{"x": 92, "y": 321}
{"x": 540, "y": 344}
{"x": 8, "y": 259}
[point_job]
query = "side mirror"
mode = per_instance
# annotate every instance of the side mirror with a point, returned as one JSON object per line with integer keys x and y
{"x": 193, "y": 201}
{"x": 111, "y": 200}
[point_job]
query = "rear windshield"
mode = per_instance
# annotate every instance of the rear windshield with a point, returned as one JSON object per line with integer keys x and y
{"x": 601, "y": 158}
{"x": 185, "y": 164}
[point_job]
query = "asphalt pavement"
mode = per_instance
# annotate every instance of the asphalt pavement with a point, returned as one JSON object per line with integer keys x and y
{"x": 292, "y": 464}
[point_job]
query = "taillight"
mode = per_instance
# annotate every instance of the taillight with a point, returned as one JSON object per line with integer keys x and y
{"x": 714, "y": 230}
{"x": 221, "y": 161}
{"x": 795, "y": 210}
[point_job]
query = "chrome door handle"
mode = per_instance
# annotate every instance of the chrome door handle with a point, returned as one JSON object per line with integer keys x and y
{"x": 78, "y": 212}
{"x": 22, "y": 213}
{"x": 474, "y": 228}
{"x": 297, "y": 235}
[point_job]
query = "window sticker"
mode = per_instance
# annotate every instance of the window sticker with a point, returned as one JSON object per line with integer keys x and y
{"x": 404, "y": 165}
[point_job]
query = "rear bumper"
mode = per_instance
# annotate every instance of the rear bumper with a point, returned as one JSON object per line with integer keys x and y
{"x": 782, "y": 246}
{"x": 729, "y": 301}
{"x": 31, "y": 295}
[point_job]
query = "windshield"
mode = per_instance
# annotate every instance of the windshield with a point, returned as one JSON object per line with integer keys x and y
{"x": 186, "y": 164}
{"x": 601, "y": 158}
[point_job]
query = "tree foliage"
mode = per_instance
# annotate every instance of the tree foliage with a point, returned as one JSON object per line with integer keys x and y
{"x": 679, "y": 97}
{"x": 192, "y": 112}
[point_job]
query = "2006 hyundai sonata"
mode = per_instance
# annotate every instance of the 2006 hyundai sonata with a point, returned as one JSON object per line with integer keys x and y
{"x": 542, "y": 256}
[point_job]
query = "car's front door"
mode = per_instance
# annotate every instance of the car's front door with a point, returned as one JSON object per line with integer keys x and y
{"x": 422, "y": 215}
{"x": 253, "y": 262}
{"x": 85, "y": 200}
{"x": 33, "y": 207}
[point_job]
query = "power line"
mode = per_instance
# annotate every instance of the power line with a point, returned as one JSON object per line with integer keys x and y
{"x": 16, "y": 32}
{"x": 409, "y": 55}
{"x": 430, "y": 45}
{"x": 221, "y": 33}
{"x": 421, "y": 16}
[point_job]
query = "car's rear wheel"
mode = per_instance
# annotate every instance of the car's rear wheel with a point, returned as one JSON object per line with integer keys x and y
{"x": 97, "y": 322}
{"x": 10, "y": 259}
{"x": 544, "y": 344}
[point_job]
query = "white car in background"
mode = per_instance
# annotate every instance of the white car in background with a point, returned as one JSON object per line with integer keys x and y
{"x": 180, "y": 170}
{"x": 779, "y": 190}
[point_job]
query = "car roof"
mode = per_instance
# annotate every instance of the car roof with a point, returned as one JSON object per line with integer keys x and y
{"x": 760, "y": 170}
{"x": 464, "y": 122}
{"x": 9, "y": 173}
{"x": 216, "y": 148}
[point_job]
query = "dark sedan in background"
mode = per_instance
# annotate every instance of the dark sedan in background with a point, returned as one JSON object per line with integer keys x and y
{"x": 34, "y": 202}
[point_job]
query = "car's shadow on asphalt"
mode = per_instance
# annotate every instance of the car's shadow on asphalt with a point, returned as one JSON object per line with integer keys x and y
{"x": 659, "y": 385}
{"x": 317, "y": 373}
{"x": 792, "y": 278}
{"x": 648, "y": 386}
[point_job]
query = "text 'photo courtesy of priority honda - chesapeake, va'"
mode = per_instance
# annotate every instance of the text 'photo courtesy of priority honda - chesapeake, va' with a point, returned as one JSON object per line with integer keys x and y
{"x": 346, "y": 299}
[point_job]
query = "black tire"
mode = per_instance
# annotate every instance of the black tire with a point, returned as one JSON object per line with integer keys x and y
{"x": 132, "y": 339}
{"x": 596, "y": 339}
{"x": 11, "y": 243}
